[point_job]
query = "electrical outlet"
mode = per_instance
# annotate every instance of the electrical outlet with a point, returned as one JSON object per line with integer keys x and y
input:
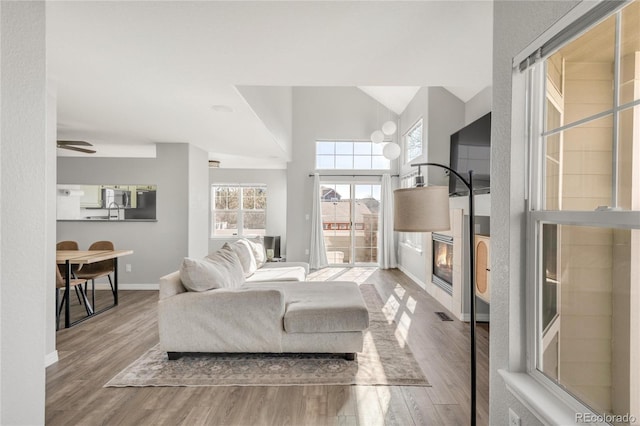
{"x": 306, "y": 217}
{"x": 127, "y": 267}
{"x": 306, "y": 251}
{"x": 514, "y": 419}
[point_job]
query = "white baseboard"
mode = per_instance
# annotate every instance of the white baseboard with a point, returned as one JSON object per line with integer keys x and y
{"x": 150, "y": 286}
{"x": 413, "y": 277}
{"x": 50, "y": 358}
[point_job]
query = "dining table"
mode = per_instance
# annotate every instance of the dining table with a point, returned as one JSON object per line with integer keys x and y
{"x": 84, "y": 257}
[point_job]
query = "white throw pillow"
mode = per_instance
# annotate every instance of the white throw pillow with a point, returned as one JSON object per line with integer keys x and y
{"x": 221, "y": 269}
{"x": 242, "y": 249}
{"x": 257, "y": 246}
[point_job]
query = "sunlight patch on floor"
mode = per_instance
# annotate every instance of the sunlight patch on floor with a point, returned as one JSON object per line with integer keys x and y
{"x": 396, "y": 308}
{"x": 392, "y": 305}
{"x": 325, "y": 274}
{"x": 411, "y": 304}
{"x": 370, "y": 411}
{"x": 357, "y": 273}
{"x": 402, "y": 330}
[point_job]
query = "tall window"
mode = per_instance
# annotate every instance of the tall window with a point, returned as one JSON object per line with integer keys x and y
{"x": 350, "y": 155}
{"x": 238, "y": 210}
{"x": 584, "y": 215}
{"x": 413, "y": 142}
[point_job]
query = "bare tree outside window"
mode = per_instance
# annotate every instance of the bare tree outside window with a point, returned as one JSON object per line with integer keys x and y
{"x": 239, "y": 210}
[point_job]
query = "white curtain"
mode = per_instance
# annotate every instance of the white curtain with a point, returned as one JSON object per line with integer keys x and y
{"x": 386, "y": 236}
{"x": 317, "y": 252}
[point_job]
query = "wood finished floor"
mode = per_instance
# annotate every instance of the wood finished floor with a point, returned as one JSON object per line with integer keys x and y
{"x": 92, "y": 352}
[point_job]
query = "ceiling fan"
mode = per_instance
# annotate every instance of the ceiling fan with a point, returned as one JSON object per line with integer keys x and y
{"x": 70, "y": 145}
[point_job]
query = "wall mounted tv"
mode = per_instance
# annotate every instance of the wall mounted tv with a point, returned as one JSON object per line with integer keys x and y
{"x": 471, "y": 150}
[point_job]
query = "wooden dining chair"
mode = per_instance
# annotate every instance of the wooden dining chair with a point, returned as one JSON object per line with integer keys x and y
{"x": 92, "y": 271}
{"x": 69, "y": 245}
{"x": 61, "y": 284}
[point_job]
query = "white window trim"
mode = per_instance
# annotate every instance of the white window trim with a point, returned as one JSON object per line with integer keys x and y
{"x": 405, "y": 147}
{"x": 240, "y": 211}
{"x": 353, "y": 155}
{"x": 546, "y": 400}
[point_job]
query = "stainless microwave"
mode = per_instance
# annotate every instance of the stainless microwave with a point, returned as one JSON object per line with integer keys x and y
{"x": 118, "y": 196}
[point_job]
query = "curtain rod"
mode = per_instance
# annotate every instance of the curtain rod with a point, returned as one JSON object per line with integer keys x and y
{"x": 356, "y": 175}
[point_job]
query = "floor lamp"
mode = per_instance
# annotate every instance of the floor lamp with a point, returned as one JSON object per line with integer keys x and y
{"x": 426, "y": 209}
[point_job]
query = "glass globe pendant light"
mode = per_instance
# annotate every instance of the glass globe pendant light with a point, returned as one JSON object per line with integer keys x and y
{"x": 389, "y": 128}
{"x": 391, "y": 151}
{"x": 377, "y": 136}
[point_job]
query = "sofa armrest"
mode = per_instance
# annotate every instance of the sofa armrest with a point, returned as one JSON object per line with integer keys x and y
{"x": 171, "y": 285}
{"x": 222, "y": 320}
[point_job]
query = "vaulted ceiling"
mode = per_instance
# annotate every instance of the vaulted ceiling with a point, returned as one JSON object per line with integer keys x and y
{"x": 219, "y": 74}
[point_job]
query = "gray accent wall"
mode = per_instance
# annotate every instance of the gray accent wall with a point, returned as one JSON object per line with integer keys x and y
{"x": 478, "y": 106}
{"x": 446, "y": 116}
{"x": 276, "y": 181}
{"x": 198, "y": 221}
{"x": 181, "y": 175}
{"x": 516, "y": 24}
{"x": 442, "y": 114}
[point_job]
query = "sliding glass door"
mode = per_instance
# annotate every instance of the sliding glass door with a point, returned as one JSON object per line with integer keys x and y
{"x": 350, "y": 222}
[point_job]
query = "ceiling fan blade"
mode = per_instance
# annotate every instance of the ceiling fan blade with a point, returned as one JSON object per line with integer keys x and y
{"x": 66, "y": 143}
{"x": 74, "y": 148}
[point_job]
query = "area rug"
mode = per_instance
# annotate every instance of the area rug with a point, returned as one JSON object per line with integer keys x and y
{"x": 383, "y": 361}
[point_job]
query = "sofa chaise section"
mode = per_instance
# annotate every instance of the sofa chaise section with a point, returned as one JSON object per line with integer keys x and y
{"x": 274, "y": 317}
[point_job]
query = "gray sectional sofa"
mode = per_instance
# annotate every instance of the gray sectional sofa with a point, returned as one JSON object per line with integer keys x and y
{"x": 213, "y": 305}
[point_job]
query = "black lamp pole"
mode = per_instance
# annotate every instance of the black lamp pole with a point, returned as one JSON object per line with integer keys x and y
{"x": 472, "y": 279}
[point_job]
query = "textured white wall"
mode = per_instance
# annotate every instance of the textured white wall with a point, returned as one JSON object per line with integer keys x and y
{"x": 26, "y": 270}
{"x": 516, "y": 24}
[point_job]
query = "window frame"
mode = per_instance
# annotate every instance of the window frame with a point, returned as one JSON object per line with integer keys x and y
{"x": 240, "y": 210}
{"x": 353, "y": 155}
{"x": 532, "y": 83}
{"x": 405, "y": 141}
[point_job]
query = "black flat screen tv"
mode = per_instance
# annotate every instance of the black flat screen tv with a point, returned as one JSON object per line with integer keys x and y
{"x": 471, "y": 150}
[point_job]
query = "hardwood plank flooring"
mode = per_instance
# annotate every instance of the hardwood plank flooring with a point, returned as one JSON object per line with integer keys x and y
{"x": 94, "y": 351}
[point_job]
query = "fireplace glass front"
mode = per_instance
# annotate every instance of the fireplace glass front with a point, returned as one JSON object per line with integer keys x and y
{"x": 443, "y": 262}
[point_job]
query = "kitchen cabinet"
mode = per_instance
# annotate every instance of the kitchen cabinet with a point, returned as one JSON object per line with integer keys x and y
{"x": 92, "y": 196}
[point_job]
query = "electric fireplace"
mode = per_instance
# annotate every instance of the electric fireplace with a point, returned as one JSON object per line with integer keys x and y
{"x": 442, "y": 262}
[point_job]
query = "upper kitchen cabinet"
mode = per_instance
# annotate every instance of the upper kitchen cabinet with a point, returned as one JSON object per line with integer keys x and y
{"x": 91, "y": 196}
